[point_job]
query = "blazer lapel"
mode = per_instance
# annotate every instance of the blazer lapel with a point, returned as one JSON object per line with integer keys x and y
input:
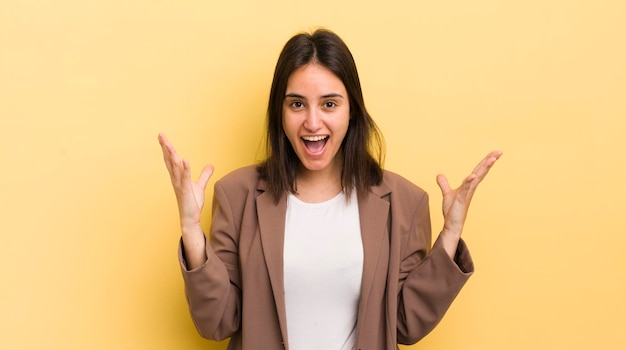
{"x": 271, "y": 216}
{"x": 373, "y": 215}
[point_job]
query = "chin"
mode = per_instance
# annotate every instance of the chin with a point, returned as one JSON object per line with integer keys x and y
{"x": 318, "y": 165}
{"x": 315, "y": 167}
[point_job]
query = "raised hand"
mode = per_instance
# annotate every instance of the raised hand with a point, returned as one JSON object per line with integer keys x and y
{"x": 190, "y": 197}
{"x": 456, "y": 201}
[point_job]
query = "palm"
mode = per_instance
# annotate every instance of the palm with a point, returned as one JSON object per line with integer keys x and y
{"x": 456, "y": 202}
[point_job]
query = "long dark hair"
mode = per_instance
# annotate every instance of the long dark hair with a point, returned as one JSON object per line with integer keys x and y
{"x": 362, "y": 146}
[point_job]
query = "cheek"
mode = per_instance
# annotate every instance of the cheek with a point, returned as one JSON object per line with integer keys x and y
{"x": 289, "y": 127}
{"x": 345, "y": 123}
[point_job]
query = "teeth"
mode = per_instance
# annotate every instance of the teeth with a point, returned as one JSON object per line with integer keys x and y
{"x": 313, "y": 138}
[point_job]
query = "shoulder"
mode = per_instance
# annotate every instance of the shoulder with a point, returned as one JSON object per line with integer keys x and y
{"x": 239, "y": 181}
{"x": 401, "y": 190}
{"x": 397, "y": 182}
{"x": 246, "y": 174}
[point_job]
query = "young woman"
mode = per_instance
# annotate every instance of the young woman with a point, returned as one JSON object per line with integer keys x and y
{"x": 318, "y": 247}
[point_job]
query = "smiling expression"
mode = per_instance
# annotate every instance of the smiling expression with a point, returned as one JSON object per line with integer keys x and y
{"x": 316, "y": 114}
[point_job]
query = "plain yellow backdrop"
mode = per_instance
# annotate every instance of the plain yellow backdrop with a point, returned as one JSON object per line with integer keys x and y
{"x": 89, "y": 228}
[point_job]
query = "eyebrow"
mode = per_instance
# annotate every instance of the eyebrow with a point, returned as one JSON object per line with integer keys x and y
{"x": 331, "y": 95}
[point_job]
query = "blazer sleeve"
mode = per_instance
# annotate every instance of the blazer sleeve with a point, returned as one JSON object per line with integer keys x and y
{"x": 429, "y": 279}
{"x": 213, "y": 290}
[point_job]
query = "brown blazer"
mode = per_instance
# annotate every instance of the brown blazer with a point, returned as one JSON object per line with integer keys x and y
{"x": 239, "y": 292}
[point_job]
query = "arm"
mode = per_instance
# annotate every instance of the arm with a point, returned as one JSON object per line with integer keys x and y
{"x": 213, "y": 289}
{"x": 429, "y": 279}
{"x": 434, "y": 279}
{"x": 211, "y": 285}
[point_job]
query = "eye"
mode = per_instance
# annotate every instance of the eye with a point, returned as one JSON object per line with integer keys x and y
{"x": 330, "y": 104}
{"x": 296, "y": 104}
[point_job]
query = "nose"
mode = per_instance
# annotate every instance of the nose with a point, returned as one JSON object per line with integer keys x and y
{"x": 313, "y": 120}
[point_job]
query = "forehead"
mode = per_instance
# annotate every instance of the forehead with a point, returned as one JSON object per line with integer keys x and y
{"x": 314, "y": 78}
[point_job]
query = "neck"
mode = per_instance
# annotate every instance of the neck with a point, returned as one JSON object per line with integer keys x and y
{"x": 319, "y": 185}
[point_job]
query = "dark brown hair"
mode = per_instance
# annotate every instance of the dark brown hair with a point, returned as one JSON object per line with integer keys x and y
{"x": 362, "y": 145}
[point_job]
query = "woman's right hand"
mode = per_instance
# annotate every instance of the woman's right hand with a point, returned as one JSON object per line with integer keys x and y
{"x": 190, "y": 198}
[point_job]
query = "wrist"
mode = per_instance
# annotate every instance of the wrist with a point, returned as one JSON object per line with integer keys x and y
{"x": 451, "y": 233}
{"x": 194, "y": 245}
{"x": 191, "y": 230}
{"x": 450, "y": 240}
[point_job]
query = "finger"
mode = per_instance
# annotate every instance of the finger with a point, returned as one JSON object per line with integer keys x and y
{"x": 162, "y": 138}
{"x": 168, "y": 151}
{"x": 166, "y": 146}
{"x": 181, "y": 176}
{"x": 489, "y": 159}
{"x": 172, "y": 161}
{"x": 205, "y": 175}
{"x": 485, "y": 165}
{"x": 479, "y": 173}
{"x": 442, "y": 181}
{"x": 468, "y": 186}
{"x": 186, "y": 170}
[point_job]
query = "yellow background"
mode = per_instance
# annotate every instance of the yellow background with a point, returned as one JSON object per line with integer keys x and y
{"x": 89, "y": 229}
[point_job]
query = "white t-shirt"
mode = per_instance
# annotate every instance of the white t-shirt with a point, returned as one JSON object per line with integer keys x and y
{"x": 323, "y": 262}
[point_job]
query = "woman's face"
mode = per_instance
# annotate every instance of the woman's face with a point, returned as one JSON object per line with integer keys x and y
{"x": 316, "y": 114}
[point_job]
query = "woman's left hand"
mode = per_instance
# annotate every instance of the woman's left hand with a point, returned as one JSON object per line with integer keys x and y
{"x": 456, "y": 201}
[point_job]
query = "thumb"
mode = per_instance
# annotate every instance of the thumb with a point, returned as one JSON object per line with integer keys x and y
{"x": 205, "y": 175}
{"x": 442, "y": 181}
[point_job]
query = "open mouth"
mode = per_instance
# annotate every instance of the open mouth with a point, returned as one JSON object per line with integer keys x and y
{"x": 315, "y": 144}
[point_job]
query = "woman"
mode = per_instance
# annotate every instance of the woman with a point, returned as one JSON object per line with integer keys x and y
{"x": 318, "y": 247}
